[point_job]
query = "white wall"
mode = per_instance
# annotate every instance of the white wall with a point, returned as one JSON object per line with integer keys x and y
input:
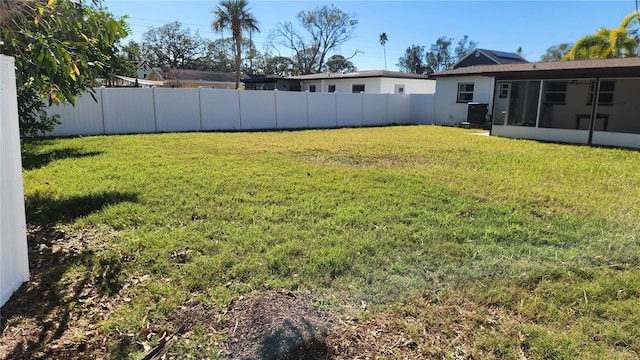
{"x": 447, "y": 110}
{"x": 14, "y": 262}
{"x": 373, "y": 85}
{"x": 543, "y": 134}
{"x": 344, "y": 85}
{"x": 146, "y": 110}
{"x": 411, "y": 86}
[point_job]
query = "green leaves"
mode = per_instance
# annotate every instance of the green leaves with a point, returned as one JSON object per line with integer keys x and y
{"x": 55, "y": 58}
{"x": 52, "y": 49}
{"x": 607, "y": 43}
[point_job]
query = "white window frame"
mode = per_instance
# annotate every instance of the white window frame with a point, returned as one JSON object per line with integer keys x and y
{"x": 504, "y": 90}
{"x": 465, "y": 92}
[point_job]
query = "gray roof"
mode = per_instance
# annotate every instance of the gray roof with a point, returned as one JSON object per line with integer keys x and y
{"x": 629, "y": 65}
{"x": 501, "y": 57}
{"x": 361, "y": 74}
{"x": 196, "y": 75}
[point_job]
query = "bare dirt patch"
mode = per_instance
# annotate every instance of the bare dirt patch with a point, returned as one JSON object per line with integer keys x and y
{"x": 287, "y": 326}
{"x": 276, "y": 326}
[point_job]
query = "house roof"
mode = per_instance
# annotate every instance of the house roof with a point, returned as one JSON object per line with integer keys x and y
{"x": 196, "y": 75}
{"x": 498, "y": 57}
{"x": 139, "y": 81}
{"x": 265, "y": 79}
{"x": 360, "y": 74}
{"x": 629, "y": 66}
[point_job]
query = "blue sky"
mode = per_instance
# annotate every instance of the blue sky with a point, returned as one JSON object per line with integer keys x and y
{"x": 496, "y": 25}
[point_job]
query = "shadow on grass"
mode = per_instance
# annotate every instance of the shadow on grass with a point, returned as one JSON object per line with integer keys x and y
{"x": 33, "y": 160}
{"x": 294, "y": 341}
{"x": 44, "y": 209}
{"x": 40, "y": 318}
{"x": 52, "y": 302}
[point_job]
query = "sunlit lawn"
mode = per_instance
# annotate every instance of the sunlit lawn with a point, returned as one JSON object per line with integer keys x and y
{"x": 548, "y": 233}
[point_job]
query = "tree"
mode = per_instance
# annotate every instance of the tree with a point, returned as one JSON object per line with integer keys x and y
{"x": 234, "y": 15}
{"x": 220, "y": 56}
{"x": 338, "y": 63}
{"x": 60, "y": 48}
{"x": 465, "y": 46}
{"x": 383, "y": 41}
{"x": 556, "y": 52}
{"x": 172, "y": 46}
{"x": 132, "y": 51}
{"x": 608, "y": 43}
{"x": 323, "y": 30}
{"x": 279, "y": 65}
{"x": 412, "y": 61}
{"x": 441, "y": 57}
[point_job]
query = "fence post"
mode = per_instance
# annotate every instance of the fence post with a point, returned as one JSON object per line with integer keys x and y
{"x": 387, "y": 122}
{"x": 361, "y": 108}
{"x": 14, "y": 264}
{"x": 200, "y": 105}
{"x": 104, "y": 128}
{"x": 239, "y": 108}
{"x": 335, "y": 106}
{"x": 155, "y": 111}
{"x": 275, "y": 99}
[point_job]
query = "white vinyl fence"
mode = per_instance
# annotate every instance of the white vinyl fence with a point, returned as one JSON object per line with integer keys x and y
{"x": 149, "y": 110}
{"x": 14, "y": 262}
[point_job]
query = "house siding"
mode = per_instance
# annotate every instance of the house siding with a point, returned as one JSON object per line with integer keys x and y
{"x": 373, "y": 85}
{"x": 450, "y": 112}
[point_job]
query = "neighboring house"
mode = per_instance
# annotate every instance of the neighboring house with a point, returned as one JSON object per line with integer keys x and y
{"x": 584, "y": 101}
{"x": 456, "y": 89}
{"x": 194, "y": 78}
{"x": 143, "y": 70}
{"x": 489, "y": 57}
{"x": 271, "y": 82}
{"x": 370, "y": 82}
{"x": 465, "y": 85}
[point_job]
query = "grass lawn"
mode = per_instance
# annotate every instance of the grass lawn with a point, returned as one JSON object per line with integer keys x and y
{"x": 519, "y": 248}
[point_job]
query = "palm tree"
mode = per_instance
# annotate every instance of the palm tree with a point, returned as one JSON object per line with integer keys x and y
{"x": 607, "y": 43}
{"x": 234, "y": 15}
{"x": 383, "y": 40}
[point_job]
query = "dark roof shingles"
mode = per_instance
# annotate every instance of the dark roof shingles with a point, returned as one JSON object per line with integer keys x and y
{"x": 618, "y": 63}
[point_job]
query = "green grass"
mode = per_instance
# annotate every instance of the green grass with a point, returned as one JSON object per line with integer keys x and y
{"x": 547, "y": 232}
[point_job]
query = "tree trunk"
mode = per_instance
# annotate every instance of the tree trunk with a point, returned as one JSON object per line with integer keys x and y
{"x": 238, "y": 59}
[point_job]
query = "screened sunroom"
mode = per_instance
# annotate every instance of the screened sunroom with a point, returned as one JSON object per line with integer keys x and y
{"x": 588, "y": 102}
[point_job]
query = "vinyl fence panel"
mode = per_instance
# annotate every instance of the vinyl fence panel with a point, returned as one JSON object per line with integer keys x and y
{"x": 258, "y": 110}
{"x": 374, "y": 108}
{"x": 291, "y": 110}
{"x": 14, "y": 261}
{"x": 146, "y": 110}
{"x": 321, "y": 110}
{"x": 422, "y": 106}
{"x": 349, "y": 109}
{"x": 220, "y": 109}
{"x": 128, "y": 110}
{"x": 400, "y": 109}
{"x": 177, "y": 109}
{"x": 84, "y": 118}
